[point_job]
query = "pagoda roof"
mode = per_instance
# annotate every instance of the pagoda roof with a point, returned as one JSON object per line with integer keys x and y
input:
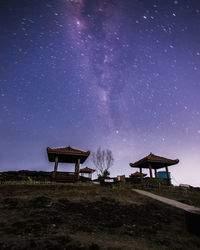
{"x": 87, "y": 170}
{"x": 67, "y": 154}
{"x": 155, "y": 161}
{"x": 137, "y": 174}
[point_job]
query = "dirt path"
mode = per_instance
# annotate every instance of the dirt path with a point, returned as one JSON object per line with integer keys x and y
{"x": 173, "y": 203}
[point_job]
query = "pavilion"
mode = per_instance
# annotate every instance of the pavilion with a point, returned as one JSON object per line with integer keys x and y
{"x": 137, "y": 175}
{"x": 88, "y": 171}
{"x": 67, "y": 155}
{"x": 154, "y": 162}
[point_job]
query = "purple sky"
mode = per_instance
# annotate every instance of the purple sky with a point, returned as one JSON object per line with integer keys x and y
{"x": 123, "y": 75}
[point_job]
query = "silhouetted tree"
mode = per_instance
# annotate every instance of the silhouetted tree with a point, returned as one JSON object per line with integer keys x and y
{"x": 103, "y": 160}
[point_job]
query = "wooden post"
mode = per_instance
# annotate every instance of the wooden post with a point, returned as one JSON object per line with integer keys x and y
{"x": 141, "y": 175}
{"x": 167, "y": 172}
{"x": 150, "y": 170}
{"x": 55, "y": 167}
{"x": 75, "y": 172}
{"x": 56, "y": 164}
{"x": 77, "y": 167}
{"x": 155, "y": 172}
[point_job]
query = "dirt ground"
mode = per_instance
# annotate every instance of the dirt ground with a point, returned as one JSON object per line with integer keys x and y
{"x": 81, "y": 216}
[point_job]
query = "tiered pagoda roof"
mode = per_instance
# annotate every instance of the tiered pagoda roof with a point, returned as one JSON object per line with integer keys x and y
{"x": 155, "y": 161}
{"x": 67, "y": 154}
{"x": 137, "y": 174}
{"x": 87, "y": 170}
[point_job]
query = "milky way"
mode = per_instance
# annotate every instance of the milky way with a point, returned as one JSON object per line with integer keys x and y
{"x": 95, "y": 36}
{"x": 118, "y": 74}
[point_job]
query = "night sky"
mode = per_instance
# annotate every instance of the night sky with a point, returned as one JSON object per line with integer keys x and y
{"x": 120, "y": 74}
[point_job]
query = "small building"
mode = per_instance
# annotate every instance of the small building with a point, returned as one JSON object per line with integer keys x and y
{"x": 66, "y": 155}
{"x": 88, "y": 171}
{"x": 154, "y": 162}
{"x": 137, "y": 175}
{"x": 121, "y": 178}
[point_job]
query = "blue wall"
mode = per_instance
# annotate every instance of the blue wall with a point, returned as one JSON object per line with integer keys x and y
{"x": 162, "y": 174}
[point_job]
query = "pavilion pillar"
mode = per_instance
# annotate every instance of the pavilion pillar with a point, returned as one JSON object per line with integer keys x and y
{"x": 77, "y": 167}
{"x": 150, "y": 170}
{"x": 167, "y": 172}
{"x": 55, "y": 167}
{"x": 155, "y": 172}
{"x": 141, "y": 175}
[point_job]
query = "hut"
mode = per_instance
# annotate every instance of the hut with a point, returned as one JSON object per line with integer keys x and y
{"x": 66, "y": 155}
{"x": 88, "y": 171}
{"x": 154, "y": 162}
{"x": 137, "y": 175}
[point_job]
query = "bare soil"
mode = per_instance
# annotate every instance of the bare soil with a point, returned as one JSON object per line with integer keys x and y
{"x": 86, "y": 216}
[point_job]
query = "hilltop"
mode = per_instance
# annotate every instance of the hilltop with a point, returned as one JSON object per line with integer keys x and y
{"x": 87, "y": 216}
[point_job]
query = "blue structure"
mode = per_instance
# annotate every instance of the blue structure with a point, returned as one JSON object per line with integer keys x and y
{"x": 163, "y": 174}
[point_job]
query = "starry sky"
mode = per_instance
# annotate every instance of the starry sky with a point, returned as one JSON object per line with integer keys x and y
{"x": 117, "y": 74}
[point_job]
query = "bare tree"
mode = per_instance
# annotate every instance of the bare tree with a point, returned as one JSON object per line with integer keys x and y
{"x": 103, "y": 160}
